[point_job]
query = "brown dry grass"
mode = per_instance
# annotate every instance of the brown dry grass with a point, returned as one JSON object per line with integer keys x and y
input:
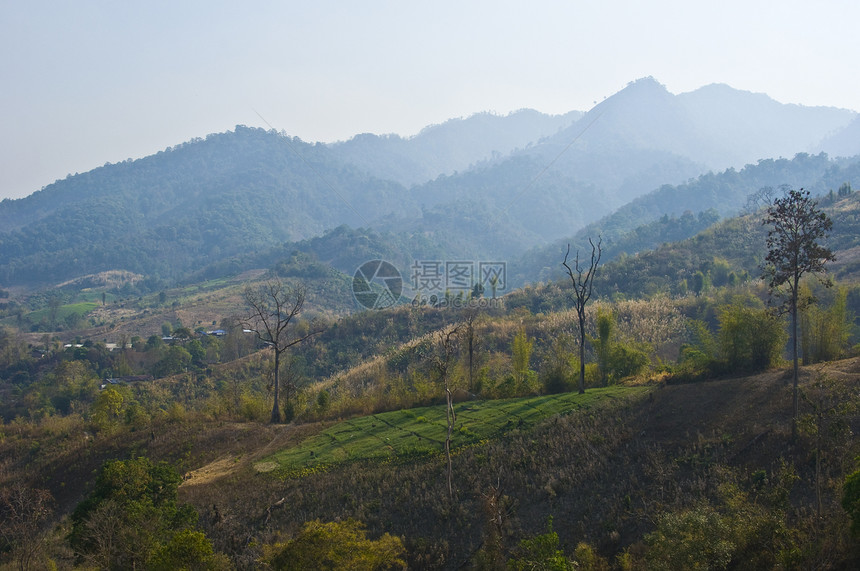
{"x": 604, "y": 475}
{"x": 238, "y": 459}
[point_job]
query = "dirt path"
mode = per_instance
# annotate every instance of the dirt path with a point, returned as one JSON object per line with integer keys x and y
{"x": 237, "y": 460}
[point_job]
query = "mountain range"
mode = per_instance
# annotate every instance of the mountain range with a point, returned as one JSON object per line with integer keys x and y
{"x": 484, "y": 187}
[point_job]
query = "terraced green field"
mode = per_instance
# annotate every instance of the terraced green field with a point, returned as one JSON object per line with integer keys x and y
{"x": 421, "y": 431}
{"x": 62, "y": 312}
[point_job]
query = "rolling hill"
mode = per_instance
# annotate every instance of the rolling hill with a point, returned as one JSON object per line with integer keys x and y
{"x": 453, "y": 146}
{"x": 674, "y": 212}
{"x": 527, "y": 179}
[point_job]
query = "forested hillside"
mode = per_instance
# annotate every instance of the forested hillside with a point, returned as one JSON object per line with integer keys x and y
{"x": 205, "y": 201}
{"x": 674, "y": 212}
{"x": 222, "y": 203}
{"x": 844, "y": 142}
{"x": 455, "y": 145}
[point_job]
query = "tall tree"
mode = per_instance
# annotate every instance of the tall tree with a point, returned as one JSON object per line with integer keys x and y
{"x": 582, "y": 280}
{"x": 273, "y": 308}
{"x": 442, "y": 361}
{"x": 470, "y": 316}
{"x": 796, "y": 226}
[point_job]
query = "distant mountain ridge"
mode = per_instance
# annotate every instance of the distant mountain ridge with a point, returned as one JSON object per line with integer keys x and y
{"x": 651, "y": 137}
{"x": 641, "y": 138}
{"x": 740, "y": 127}
{"x": 844, "y": 142}
{"x": 676, "y": 212}
{"x": 234, "y": 195}
{"x": 452, "y": 146}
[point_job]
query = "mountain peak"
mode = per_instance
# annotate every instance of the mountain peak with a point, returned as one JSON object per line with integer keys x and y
{"x": 645, "y": 91}
{"x": 723, "y": 94}
{"x": 647, "y": 82}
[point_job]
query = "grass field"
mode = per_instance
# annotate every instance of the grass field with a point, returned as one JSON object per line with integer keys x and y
{"x": 62, "y": 312}
{"x": 421, "y": 431}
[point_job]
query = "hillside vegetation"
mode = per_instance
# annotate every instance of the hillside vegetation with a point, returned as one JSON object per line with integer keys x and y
{"x": 218, "y": 205}
{"x": 614, "y": 478}
{"x": 672, "y": 213}
{"x": 189, "y": 380}
{"x": 615, "y": 468}
{"x": 421, "y": 431}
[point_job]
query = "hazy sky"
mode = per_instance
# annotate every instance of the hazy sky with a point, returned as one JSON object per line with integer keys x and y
{"x": 83, "y": 83}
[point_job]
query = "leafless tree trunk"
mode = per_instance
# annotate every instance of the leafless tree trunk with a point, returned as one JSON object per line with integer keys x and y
{"x": 447, "y": 346}
{"x": 272, "y": 316}
{"x": 495, "y": 514}
{"x": 469, "y": 318}
{"x": 582, "y": 279}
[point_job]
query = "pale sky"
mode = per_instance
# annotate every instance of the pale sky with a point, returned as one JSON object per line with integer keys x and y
{"x": 83, "y": 82}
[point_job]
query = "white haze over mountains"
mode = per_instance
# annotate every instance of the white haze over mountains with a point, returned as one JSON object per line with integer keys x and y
{"x": 90, "y": 82}
{"x": 488, "y": 186}
{"x": 632, "y": 142}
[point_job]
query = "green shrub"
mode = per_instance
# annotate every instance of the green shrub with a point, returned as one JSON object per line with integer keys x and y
{"x": 737, "y": 532}
{"x": 697, "y": 538}
{"x": 588, "y": 559}
{"x": 336, "y": 545}
{"x": 254, "y": 408}
{"x": 132, "y": 517}
{"x": 851, "y": 500}
{"x": 626, "y": 361}
{"x": 541, "y": 552}
{"x": 557, "y": 380}
{"x": 751, "y": 339}
{"x": 824, "y": 333}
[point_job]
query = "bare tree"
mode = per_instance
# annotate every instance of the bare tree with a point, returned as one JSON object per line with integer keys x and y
{"x": 442, "y": 360}
{"x": 793, "y": 250}
{"x": 24, "y": 513}
{"x": 273, "y": 310}
{"x": 759, "y": 199}
{"x": 469, "y": 335}
{"x": 582, "y": 279}
{"x": 104, "y": 530}
{"x": 496, "y": 516}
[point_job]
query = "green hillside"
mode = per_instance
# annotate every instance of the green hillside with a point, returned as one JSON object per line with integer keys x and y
{"x": 675, "y": 212}
{"x": 422, "y": 431}
{"x": 206, "y": 201}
